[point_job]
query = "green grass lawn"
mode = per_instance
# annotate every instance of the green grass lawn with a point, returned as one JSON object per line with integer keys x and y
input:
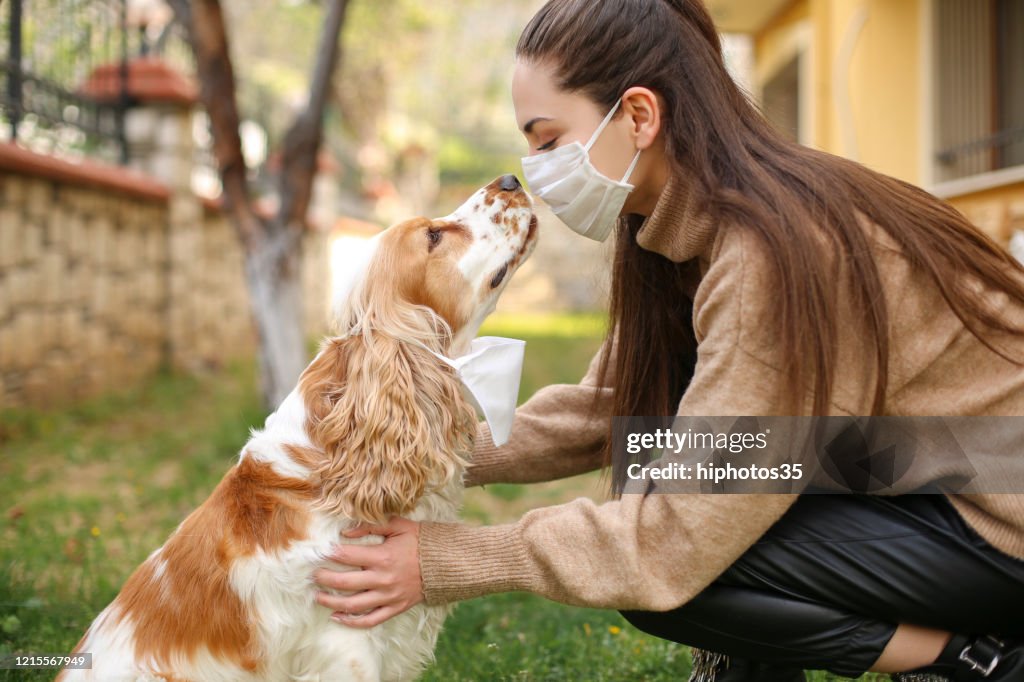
{"x": 87, "y": 492}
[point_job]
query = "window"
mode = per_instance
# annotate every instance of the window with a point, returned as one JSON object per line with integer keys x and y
{"x": 781, "y": 97}
{"x": 979, "y": 86}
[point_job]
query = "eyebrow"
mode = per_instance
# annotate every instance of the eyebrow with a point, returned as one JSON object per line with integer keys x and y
{"x": 528, "y": 128}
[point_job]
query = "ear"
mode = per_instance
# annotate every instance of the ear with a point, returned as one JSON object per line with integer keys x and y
{"x": 644, "y": 107}
{"x": 390, "y": 423}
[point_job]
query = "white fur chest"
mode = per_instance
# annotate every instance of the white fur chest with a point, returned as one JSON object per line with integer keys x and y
{"x": 311, "y": 645}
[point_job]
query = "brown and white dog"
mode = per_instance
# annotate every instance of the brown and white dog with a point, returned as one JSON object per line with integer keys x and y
{"x": 377, "y": 426}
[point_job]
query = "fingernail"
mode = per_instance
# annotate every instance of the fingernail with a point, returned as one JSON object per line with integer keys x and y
{"x": 338, "y": 617}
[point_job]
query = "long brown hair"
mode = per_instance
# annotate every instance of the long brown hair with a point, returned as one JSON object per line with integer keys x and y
{"x": 748, "y": 176}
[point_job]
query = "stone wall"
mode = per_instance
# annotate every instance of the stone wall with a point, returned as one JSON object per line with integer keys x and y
{"x": 106, "y": 278}
{"x": 82, "y": 295}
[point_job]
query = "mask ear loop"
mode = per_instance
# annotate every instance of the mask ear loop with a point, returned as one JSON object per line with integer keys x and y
{"x": 632, "y": 165}
{"x": 597, "y": 133}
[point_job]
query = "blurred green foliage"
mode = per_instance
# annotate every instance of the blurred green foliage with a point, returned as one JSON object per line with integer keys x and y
{"x": 431, "y": 75}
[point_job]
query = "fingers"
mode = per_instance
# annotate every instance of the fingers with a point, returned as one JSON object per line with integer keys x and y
{"x": 368, "y": 620}
{"x": 354, "y": 603}
{"x": 362, "y": 531}
{"x": 346, "y": 581}
{"x": 360, "y": 555}
{"x": 389, "y": 582}
{"x": 396, "y": 524}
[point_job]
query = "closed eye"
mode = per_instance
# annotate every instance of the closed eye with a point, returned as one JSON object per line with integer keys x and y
{"x": 547, "y": 145}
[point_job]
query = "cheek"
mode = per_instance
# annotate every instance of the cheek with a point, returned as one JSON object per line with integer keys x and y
{"x": 448, "y": 293}
{"x": 611, "y": 155}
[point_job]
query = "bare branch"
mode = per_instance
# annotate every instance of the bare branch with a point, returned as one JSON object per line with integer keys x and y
{"x": 205, "y": 22}
{"x": 272, "y": 246}
{"x": 302, "y": 141}
{"x": 182, "y": 12}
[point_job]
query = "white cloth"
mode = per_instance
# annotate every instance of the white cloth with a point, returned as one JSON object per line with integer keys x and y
{"x": 490, "y": 372}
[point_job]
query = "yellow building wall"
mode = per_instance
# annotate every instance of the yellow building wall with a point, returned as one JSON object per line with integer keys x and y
{"x": 885, "y": 88}
{"x": 866, "y": 79}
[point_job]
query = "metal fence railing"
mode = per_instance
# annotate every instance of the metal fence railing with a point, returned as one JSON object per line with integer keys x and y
{"x": 50, "y": 50}
{"x": 979, "y": 86}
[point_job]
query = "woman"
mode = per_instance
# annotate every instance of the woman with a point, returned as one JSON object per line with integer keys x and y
{"x": 752, "y": 276}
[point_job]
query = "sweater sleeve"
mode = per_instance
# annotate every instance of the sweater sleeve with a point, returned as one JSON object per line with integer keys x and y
{"x": 650, "y": 552}
{"x": 554, "y": 435}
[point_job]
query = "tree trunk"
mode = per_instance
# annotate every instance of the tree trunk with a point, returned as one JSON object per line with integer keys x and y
{"x": 273, "y": 246}
{"x": 274, "y": 276}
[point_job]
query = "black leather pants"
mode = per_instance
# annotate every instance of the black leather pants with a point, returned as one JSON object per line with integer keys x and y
{"x": 828, "y": 583}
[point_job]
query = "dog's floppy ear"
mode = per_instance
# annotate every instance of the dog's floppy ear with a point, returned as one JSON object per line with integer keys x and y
{"x": 389, "y": 421}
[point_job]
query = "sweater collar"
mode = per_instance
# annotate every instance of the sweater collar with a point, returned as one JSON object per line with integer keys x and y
{"x": 677, "y": 228}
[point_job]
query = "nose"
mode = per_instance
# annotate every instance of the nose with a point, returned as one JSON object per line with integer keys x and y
{"x": 509, "y": 183}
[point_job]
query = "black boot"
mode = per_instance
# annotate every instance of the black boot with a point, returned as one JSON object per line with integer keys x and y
{"x": 734, "y": 669}
{"x": 974, "y": 659}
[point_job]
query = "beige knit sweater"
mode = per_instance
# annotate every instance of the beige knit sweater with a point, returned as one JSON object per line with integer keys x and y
{"x": 656, "y": 552}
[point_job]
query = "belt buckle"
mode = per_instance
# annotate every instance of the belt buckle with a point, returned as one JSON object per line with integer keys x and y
{"x": 984, "y": 668}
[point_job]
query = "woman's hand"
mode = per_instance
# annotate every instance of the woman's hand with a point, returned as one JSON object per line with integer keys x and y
{"x": 389, "y": 582}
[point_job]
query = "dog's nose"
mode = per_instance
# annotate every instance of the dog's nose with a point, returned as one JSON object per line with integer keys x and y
{"x": 509, "y": 183}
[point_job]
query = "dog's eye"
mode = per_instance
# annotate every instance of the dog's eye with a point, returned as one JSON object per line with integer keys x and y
{"x": 433, "y": 237}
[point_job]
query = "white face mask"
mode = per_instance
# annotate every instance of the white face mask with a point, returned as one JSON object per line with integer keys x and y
{"x": 490, "y": 371}
{"x": 583, "y": 198}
